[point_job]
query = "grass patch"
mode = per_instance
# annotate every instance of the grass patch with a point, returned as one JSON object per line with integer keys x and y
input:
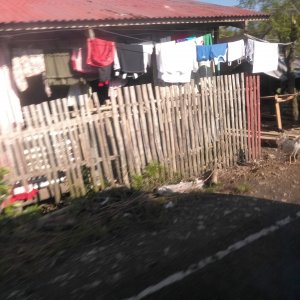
{"x": 214, "y": 188}
{"x": 242, "y": 188}
{"x": 153, "y": 176}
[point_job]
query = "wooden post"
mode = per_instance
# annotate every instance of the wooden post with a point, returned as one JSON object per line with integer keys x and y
{"x": 278, "y": 114}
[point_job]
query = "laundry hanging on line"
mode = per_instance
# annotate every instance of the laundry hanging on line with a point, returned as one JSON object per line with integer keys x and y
{"x": 265, "y": 57}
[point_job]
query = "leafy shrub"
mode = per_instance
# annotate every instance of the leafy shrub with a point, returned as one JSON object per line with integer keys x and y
{"x": 4, "y": 188}
{"x": 153, "y": 175}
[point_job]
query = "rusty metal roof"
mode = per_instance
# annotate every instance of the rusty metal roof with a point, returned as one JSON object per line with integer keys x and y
{"x": 37, "y": 11}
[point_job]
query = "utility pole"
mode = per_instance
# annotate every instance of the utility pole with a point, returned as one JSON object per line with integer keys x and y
{"x": 291, "y": 68}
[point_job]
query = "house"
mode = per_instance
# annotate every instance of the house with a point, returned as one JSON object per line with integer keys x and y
{"x": 48, "y": 67}
{"x": 60, "y": 25}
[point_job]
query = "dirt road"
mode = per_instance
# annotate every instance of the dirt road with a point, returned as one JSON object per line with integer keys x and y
{"x": 196, "y": 246}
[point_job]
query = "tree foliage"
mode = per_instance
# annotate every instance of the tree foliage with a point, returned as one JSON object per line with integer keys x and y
{"x": 279, "y": 26}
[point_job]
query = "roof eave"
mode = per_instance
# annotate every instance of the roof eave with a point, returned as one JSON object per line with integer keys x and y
{"x": 84, "y": 24}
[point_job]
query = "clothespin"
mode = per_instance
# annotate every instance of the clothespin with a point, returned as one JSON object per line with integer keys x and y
{"x": 91, "y": 33}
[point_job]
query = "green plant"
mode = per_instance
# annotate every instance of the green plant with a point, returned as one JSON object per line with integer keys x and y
{"x": 32, "y": 210}
{"x": 137, "y": 182}
{"x": 87, "y": 178}
{"x": 242, "y": 188}
{"x": 152, "y": 176}
{"x": 4, "y": 188}
{"x": 13, "y": 210}
{"x": 214, "y": 188}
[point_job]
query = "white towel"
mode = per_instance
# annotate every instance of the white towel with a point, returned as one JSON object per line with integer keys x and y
{"x": 175, "y": 61}
{"x": 236, "y": 51}
{"x": 10, "y": 112}
{"x": 265, "y": 58}
{"x": 148, "y": 50}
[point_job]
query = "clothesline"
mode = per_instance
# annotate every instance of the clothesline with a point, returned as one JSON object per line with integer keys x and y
{"x": 123, "y": 35}
{"x": 177, "y": 57}
{"x": 261, "y": 40}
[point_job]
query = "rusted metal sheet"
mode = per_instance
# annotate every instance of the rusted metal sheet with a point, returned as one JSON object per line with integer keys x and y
{"x": 31, "y": 11}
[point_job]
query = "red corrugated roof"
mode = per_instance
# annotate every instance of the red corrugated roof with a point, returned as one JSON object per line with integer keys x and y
{"x": 28, "y": 11}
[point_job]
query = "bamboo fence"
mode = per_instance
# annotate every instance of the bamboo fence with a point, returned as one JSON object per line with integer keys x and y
{"x": 187, "y": 128}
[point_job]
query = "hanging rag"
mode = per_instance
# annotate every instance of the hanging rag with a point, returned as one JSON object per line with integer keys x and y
{"x": 249, "y": 50}
{"x": 218, "y": 53}
{"x": 147, "y": 53}
{"x": 100, "y": 53}
{"x": 236, "y": 51}
{"x": 105, "y": 74}
{"x": 58, "y": 69}
{"x": 178, "y": 36}
{"x": 265, "y": 57}
{"x": 203, "y": 53}
{"x": 78, "y": 62}
{"x": 131, "y": 58}
{"x": 207, "y": 38}
{"x": 25, "y": 64}
{"x": 175, "y": 61}
{"x": 10, "y": 112}
{"x": 188, "y": 38}
{"x": 199, "y": 41}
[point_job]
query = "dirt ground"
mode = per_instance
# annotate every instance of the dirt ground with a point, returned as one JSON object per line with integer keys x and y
{"x": 273, "y": 178}
{"x": 107, "y": 245}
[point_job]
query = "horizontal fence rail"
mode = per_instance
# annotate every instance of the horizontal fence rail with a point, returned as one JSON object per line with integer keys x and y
{"x": 187, "y": 128}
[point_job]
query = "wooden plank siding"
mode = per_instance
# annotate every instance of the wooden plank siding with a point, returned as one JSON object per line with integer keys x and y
{"x": 187, "y": 128}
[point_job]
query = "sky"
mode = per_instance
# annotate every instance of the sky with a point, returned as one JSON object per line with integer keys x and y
{"x": 222, "y": 2}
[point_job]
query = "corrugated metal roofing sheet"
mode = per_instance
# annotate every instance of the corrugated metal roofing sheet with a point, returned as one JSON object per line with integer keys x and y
{"x": 30, "y": 11}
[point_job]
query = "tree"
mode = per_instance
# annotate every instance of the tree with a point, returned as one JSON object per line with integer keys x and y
{"x": 279, "y": 28}
{"x": 283, "y": 27}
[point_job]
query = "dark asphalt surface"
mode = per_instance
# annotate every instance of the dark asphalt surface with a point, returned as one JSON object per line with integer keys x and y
{"x": 265, "y": 268}
{"x": 269, "y": 268}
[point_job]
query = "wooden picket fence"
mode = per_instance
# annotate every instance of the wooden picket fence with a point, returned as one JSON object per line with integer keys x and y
{"x": 187, "y": 128}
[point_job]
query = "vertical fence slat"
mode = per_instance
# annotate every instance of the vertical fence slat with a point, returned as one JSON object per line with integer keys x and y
{"x": 120, "y": 141}
{"x": 244, "y": 117}
{"x": 144, "y": 133}
{"x": 199, "y": 117}
{"x": 132, "y": 131}
{"x": 170, "y": 127}
{"x": 252, "y": 117}
{"x": 137, "y": 126}
{"x": 178, "y": 117}
{"x": 221, "y": 122}
{"x": 248, "y": 113}
{"x": 236, "y": 116}
{"x": 163, "y": 91}
{"x": 204, "y": 118}
{"x": 152, "y": 122}
{"x": 240, "y": 124}
{"x": 154, "y": 115}
{"x": 184, "y": 131}
{"x": 126, "y": 132}
{"x": 191, "y": 124}
{"x": 258, "y": 114}
{"x": 216, "y": 121}
{"x": 197, "y": 133}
